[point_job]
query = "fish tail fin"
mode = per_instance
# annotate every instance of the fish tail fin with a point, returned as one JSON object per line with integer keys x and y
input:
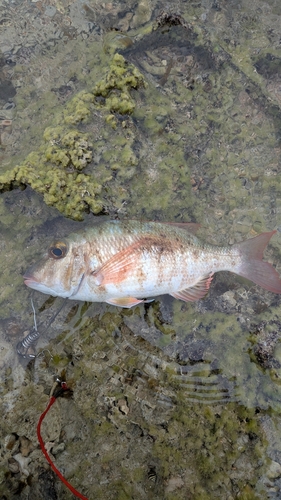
{"x": 253, "y": 267}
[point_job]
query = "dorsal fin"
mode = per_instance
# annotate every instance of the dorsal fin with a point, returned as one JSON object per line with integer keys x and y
{"x": 192, "y": 227}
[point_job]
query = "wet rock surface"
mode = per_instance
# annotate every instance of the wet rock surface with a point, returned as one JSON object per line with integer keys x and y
{"x": 164, "y": 115}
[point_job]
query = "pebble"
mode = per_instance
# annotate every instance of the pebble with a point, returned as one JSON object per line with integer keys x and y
{"x": 274, "y": 470}
{"x": 13, "y": 465}
{"x": 229, "y": 297}
{"x": 143, "y": 13}
{"x": 9, "y": 105}
{"x": 123, "y": 407}
{"x": 6, "y": 123}
{"x": 26, "y": 446}
{"x": 173, "y": 484}
{"x": 9, "y": 441}
{"x": 23, "y": 463}
{"x": 58, "y": 448}
{"x": 50, "y": 11}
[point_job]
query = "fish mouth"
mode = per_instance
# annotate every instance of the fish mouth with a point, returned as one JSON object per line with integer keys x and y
{"x": 31, "y": 282}
{"x": 28, "y": 279}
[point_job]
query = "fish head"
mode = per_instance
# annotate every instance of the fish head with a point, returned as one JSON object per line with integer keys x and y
{"x": 60, "y": 271}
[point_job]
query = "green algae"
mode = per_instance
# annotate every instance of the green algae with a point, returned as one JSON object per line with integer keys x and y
{"x": 215, "y": 114}
{"x": 54, "y": 170}
{"x": 213, "y": 443}
{"x": 210, "y": 443}
{"x": 115, "y": 88}
{"x": 212, "y": 438}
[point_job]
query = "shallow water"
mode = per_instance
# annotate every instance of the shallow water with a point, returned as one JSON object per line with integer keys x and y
{"x": 170, "y": 400}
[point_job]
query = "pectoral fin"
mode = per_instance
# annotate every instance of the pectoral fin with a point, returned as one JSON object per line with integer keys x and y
{"x": 118, "y": 268}
{"x": 195, "y": 292}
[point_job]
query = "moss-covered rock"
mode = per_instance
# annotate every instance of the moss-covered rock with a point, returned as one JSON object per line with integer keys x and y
{"x": 116, "y": 86}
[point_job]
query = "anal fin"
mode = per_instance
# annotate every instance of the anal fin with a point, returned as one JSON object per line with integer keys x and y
{"x": 196, "y": 291}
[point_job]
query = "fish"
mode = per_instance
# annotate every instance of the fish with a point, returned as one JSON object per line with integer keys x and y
{"x": 125, "y": 263}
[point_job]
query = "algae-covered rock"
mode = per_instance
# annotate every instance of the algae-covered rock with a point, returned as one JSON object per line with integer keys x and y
{"x": 69, "y": 191}
{"x": 71, "y": 149}
{"x": 137, "y": 423}
{"x": 115, "y": 87}
{"x": 55, "y": 169}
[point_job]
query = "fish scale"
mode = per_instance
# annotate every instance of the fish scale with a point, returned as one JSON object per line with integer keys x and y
{"x": 123, "y": 263}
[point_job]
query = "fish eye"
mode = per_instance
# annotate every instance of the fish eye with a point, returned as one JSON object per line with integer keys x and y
{"x": 58, "y": 250}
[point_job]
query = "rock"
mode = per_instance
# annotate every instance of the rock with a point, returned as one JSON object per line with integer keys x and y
{"x": 13, "y": 465}
{"x": 123, "y": 407}
{"x": 229, "y": 297}
{"x": 274, "y": 470}
{"x": 143, "y": 14}
{"x": 10, "y": 441}
{"x": 26, "y": 446}
{"x": 173, "y": 484}
{"x": 23, "y": 463}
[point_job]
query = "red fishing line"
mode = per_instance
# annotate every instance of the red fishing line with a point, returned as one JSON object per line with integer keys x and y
{"x": 67, "y": 484}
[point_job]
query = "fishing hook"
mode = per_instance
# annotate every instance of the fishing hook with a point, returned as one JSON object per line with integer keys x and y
{"x": 28, "y": 342}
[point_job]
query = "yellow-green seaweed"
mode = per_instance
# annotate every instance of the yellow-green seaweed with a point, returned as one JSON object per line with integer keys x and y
{"x": 116, "y": 86}
{"x": 55, "y": 169}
